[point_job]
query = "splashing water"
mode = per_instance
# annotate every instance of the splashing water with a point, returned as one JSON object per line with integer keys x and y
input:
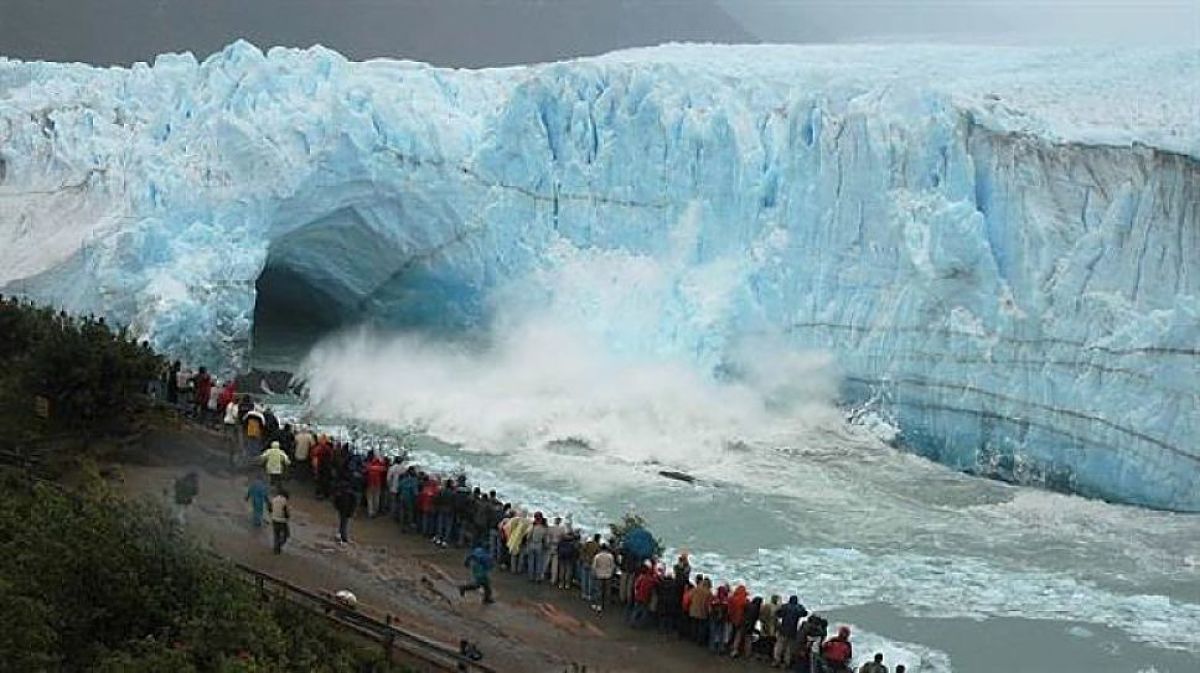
{"x": 590, "y": 380}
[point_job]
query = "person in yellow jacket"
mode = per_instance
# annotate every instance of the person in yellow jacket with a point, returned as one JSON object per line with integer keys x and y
{"x": 518, "y": 527}
{"x": 274, "y": 460}
{"x": 254, "y": 425}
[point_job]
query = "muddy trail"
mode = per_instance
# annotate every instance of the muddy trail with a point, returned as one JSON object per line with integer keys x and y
{"x": 529, "y": 628}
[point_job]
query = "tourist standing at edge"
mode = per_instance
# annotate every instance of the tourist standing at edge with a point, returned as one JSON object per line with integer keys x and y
{"x": 535, "y": 541}
{"x": 603, "y": 568}
{"x": 554, "y": 535}
{"x": 376, "y": 470}
{"x": 766, "y": 618}
{"x": 699, "y": 609}
{"x": 587, "y": 553}
{"x": 837, "y": 652}
{"x": 394, "y": 472}
{"x": 788, "y": 626}
{"x": 875, "y": 665}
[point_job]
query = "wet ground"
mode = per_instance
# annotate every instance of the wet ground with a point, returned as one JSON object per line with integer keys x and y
{"x": 529, "y": 628}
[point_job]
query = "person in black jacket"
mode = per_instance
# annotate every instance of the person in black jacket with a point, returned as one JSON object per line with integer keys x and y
{"x": 788, "y": 619}
{"x": 345, "y": 501}
{"x": 668, "y": 603}
{"x": 568, "y": 557}
{"x": 460, "y": 529}
{"x": 443, "y": 510}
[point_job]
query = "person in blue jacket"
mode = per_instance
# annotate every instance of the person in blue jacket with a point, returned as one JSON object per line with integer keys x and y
{"x": 257, "y": 495}
{"x": 480, "y": 562}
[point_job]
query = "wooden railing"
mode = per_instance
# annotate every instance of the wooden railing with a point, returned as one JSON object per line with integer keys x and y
{"x": 435, "y": 656}
{"x": 392, "y": 638}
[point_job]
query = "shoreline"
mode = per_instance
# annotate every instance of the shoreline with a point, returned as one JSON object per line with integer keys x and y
{"x": 406, "y": 574}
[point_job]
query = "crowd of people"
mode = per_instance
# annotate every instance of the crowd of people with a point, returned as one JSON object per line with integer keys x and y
{"x": 623, "y": 570}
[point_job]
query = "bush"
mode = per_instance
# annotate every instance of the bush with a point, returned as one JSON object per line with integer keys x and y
{"x": 92, "y": 582}
{"x": 92, "y": 377}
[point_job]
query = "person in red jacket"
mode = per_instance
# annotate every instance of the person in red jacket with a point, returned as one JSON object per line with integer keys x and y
{"x": 837, "y": 652}
{"x": 643, "y": 591}
{"x": 203, "y": 385}
{"x": 428, "y": 492}
{"x": 227, "y": 394}
{"x": 376, "y": 476}
{"x": 736, "y": 613}
{"x": 321, "y": 458}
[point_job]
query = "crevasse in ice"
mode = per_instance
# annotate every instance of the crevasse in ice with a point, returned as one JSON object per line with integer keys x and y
{"x": 1001, "y": 247}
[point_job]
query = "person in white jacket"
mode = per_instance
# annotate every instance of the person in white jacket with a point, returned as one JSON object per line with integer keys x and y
{"x": 230, "y": 423}
{"x": 604, "y": 566}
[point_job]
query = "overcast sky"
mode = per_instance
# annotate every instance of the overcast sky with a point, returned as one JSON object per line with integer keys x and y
{"x": 500, "y": 32}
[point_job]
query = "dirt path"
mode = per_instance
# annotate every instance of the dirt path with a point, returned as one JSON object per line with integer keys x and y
{"x": 529, "y": 628}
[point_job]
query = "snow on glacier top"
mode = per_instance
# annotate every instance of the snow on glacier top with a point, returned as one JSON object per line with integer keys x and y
{"x": 1087, "y": 95}
{"x": 1099, "y": 96}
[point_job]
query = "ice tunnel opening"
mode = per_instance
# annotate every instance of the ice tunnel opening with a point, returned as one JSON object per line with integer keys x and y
{"x": 291, "y": 314}
{"x": 370, "y": 261}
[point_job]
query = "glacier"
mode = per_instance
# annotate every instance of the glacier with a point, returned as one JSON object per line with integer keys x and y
{"x": 1000, "y": 247}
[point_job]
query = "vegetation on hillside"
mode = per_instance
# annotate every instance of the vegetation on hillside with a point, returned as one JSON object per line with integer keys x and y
{"x": 89, "y": 581}
{"x": 92, "y": 582}
{"x": 60, "y": 373}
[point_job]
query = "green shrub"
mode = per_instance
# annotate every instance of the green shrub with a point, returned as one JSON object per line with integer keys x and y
{"x": 92, "y": 582}
{"x": 92, "y": 376}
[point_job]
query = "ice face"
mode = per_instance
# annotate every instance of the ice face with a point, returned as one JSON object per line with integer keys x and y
{"x": 998, "y": 246}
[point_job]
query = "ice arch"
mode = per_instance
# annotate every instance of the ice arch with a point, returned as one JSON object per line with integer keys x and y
{"x": 1000, "y": 247}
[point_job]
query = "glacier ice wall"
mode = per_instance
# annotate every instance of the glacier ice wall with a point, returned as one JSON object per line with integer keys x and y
{"x": 1000, "y": 246}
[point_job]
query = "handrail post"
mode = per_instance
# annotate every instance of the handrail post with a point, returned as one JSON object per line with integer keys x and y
{"x": 390, "y": 641}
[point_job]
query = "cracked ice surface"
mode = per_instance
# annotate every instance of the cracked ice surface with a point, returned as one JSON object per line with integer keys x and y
{"x": 999, "y": 246}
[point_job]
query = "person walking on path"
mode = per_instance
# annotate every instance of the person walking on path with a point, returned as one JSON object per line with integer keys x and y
{"x": 344, "y": 501}
{"x": 480, "y": 562}
{"x": 279, "y": 519}
{"x": 232, "y": 431}
{"x": 186, "y": 489}
{"x": 604, "y": 566}
{"x": 259, "y": 496}
{"x": 275, "y": 460}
